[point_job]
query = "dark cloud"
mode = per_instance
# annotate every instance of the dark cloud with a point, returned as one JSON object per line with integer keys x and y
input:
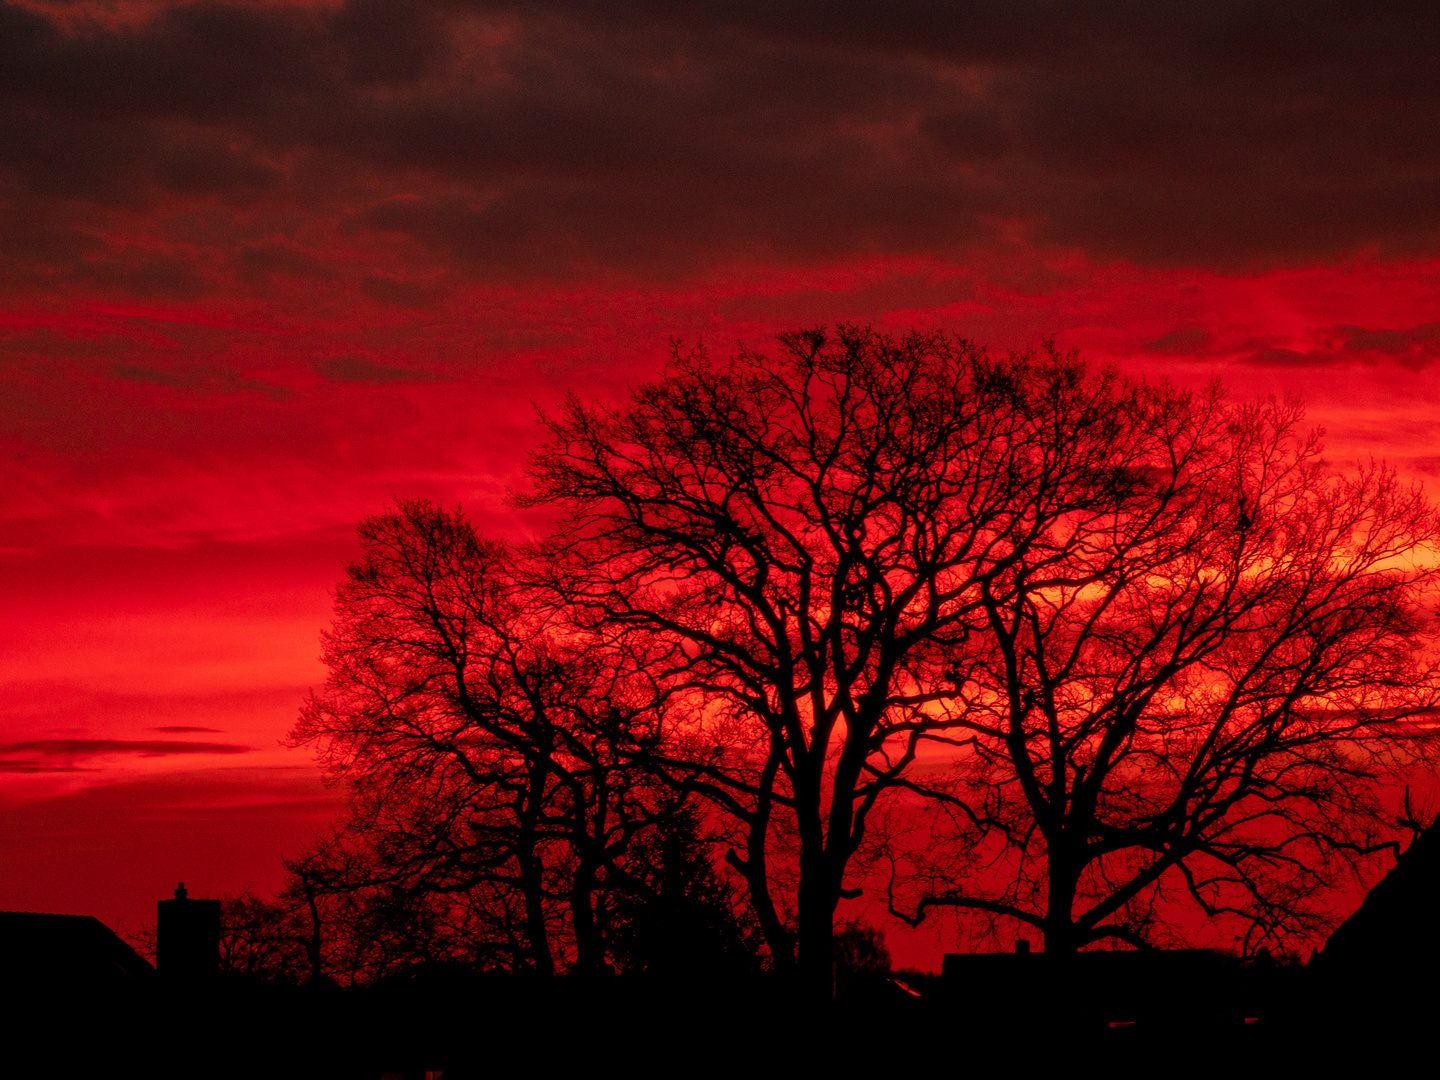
{"x": 360, "y": 370}
{"x": 183, "y": 729}
{"x": 1275, "y": 357}
{"x": 574, "y": 138}
{"x": 140, "y": 373}
{"x": 145, "y": 273}
{"x": 261, "y": 265}
{"x": 199, "y": 378}
{"x": 64, "y": 755}
{"x": 1186, "y": 341}
{"x": 398, "y": 292}
{"x": 388, "y": 43}
{"x": 1412, "y": 348}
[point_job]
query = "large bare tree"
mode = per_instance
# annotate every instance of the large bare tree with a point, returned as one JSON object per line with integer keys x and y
{"x": 1188, "y": 707}
{"x": 1171, "y": 655}
{"x": 807, "y": 540}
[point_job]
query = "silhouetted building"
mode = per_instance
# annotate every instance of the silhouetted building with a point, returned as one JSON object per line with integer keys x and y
{"x": 1390, "y": 947}
{"x": 74, "y": 952}
{"x": 1154, "y": 986}
{"x": 187, "y": 937}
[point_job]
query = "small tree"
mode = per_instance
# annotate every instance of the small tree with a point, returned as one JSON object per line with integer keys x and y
{"x": 263, "y": 940}
{"x": 860, "y": 953}
{"x": 494, "y": 754}
{"x": 671, "y": 914}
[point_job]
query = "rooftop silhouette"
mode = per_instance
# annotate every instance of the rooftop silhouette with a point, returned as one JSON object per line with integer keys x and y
{"x": 74, "y": 951}
{"x": 1394, "y": 932}
{"x": 187, "y": 936}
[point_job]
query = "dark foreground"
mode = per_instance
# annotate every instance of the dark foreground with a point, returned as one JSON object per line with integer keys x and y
{"x": 455, "y": 1025}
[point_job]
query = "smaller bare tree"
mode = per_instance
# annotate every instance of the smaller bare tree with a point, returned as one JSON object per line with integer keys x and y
{"x": 1190, "y": 703}
{"x": 495, "y": 755}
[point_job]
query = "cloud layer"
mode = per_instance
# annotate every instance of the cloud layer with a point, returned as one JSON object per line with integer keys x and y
{"x": 402, "y": 145}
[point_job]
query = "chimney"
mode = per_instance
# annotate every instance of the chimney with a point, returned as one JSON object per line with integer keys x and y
{"x": 187, "y": 946}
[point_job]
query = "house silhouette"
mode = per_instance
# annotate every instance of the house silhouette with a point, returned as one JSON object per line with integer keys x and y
{"x": 75, "y": 952}
{"x": 1392, "y": 941}
{"x": 1153, "y": 986}
{"x": 187, "y": 936}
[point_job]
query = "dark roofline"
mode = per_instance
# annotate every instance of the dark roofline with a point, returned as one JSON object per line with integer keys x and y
{"x": 41, "y": 941}
{"x": 1396, "y": 916}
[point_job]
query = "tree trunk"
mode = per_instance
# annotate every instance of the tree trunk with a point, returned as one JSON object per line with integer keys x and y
{"x": 532, "y": 873}
{"x": 1059, "y": 929}
{"x": 754, "y": 867}
{"x": 313, "y": 951}
{"x": 757, "y": 883}
{"x": 816, "y": 903}
{"x": 537, "y": 939}
{"x": 589, "y": 943}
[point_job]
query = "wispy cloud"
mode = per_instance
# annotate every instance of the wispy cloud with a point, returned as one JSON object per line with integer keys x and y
{"x": 205, "y": 379}
{"x": 1412, "y": 348}
{"x": 71, "y": 755}
{"x": 362, "y": 370}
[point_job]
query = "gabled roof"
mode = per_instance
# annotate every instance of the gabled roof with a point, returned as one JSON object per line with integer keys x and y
{"x": 77, "y": 950}
{"x": 1398, "y": 923}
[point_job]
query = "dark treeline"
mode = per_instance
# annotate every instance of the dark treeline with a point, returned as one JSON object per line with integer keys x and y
{"x": 1007, "y": 639}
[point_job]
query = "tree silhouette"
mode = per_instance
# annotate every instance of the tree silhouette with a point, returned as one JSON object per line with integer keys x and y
{"x": 806, "y": 542}
{"x": 1189, "y": 702}
{"x": 860, "y": 954}
{"x": 494, "y": 756}
{"x": 672, "y": 915}
{"x": 1169, "y": 655}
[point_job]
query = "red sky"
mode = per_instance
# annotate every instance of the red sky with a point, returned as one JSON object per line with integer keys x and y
{"x": 265, "y": 265}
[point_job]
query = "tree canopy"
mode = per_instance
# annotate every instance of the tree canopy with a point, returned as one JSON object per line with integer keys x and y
{"x": 1104, "y": 646}
{"x": 1194, "y": 701}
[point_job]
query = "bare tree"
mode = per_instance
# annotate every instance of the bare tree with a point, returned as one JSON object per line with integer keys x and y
{"x": 495, "y": 756}
{"x": 671, "y": 913}
{"x": 1172, "y": 655}
{"x": 1189, "y": 703}
{"x": 805, "y": 542}
{"x": 860, "y": 952}
{"x": 263, "y": 940}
